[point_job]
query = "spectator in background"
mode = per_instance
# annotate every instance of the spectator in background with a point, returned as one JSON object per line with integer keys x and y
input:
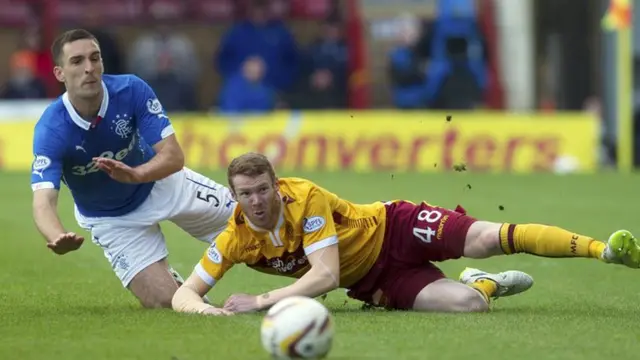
{"x": 23, "y": 82}
{"x": 247, "y": 91}
{"x": 176, "y": 93}
{"x": 454, "y": 46}
{"x": 169, "y": 63}
{"x": 261, "y": 36}
{"x": 31, "y": 43}
{"x": 406, "y": 68}
{"x": 324, "y": 78}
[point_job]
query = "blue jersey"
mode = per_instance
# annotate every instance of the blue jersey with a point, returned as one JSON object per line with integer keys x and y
{"x": 131, "y": 121}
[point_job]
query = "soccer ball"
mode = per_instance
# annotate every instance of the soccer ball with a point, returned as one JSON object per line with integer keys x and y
{"x": 297, "y": 327}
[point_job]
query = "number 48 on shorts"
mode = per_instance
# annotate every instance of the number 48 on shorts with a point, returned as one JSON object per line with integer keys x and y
{"x": 426, "y": 222}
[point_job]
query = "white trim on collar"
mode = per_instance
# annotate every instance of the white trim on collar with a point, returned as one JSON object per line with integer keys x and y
{"x": 74, "y": 114}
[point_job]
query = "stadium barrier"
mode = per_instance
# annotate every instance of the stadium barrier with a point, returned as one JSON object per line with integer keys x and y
{"x": 391, "y": 141}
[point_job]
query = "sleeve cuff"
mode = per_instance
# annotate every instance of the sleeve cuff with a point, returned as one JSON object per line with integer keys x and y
{"x": 167, "y": 131}
{"x": 42, "y": 185}
{"x": 331, "y": 240}
{"x": 204, "y": 275}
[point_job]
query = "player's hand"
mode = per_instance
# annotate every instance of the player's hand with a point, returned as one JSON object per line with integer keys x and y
{"x": 65, "y": 243}
{"x": 241, "y": 303}
{"x": 118, "y": 170}
{"x": 217, "y": 312}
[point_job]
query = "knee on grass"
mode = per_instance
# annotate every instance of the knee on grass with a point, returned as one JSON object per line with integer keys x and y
{"x": 471, "y": 301}
{"x": 160, "y": 301}
{"x": 154, "y": 286}
{"x": 450, "y": 296}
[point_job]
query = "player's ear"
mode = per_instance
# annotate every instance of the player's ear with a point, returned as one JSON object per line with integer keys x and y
{"x": 57, "y": 72}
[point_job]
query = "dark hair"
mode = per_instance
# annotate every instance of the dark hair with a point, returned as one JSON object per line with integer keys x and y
{"x": 69, "y": 37}
{"x": 250, "y": 164}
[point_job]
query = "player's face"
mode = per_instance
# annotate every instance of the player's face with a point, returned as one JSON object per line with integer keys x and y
{"x": 81, "y": 69}
{"x": 258, "y": 198}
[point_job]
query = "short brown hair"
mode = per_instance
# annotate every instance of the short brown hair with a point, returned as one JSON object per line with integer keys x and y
{"x": 250, "y": 164}
{"x": 69, "y": 37}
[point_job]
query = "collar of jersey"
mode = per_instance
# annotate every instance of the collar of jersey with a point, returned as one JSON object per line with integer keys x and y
{"x": 278, "y": 225}
{"x": 77, "y": 119}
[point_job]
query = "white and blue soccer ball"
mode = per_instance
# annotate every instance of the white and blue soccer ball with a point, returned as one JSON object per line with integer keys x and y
{"x": 297, "y": 327}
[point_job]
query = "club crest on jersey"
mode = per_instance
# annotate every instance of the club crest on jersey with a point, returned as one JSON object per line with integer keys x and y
{"x": 214, "y": 254}
{"x": 313, "y": 223}
{"x": 122, "y": 126}
{"x": 154, "y": 106}
{"x": 40, "y": 163}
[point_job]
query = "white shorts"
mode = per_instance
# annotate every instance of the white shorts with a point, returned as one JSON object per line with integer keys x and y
{"x": 132, "y": 242}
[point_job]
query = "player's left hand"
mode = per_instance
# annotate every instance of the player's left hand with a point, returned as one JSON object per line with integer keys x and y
{"x": 242, "y": 303}
{"x": 118, "y": 170}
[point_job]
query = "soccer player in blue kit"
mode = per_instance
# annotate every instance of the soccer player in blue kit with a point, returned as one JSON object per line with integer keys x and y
{"x": 108, "y": 139}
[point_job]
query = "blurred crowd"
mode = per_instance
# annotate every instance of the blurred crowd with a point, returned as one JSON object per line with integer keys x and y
{"x": 431, "y": 63}
{"x": 440, "y": 63}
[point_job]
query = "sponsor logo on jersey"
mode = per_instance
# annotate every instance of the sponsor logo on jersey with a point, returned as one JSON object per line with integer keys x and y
{"x": 40, "y": 163}
{"x": 92, "y": 166}
{"x": 313, "y": 223}
{"x": 287, "y": 265}
{"x": 154, "y": 106}
{"x": 214, "y": 254}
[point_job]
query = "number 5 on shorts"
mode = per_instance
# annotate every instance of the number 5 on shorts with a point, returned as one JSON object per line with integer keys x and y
{"x": 430, "y": 217}
{"x": 208, "y": 198}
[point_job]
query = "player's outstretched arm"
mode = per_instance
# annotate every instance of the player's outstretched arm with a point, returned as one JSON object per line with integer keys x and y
{"x": 323, "y": 277}
{"x": 188, "y": 298}
{"x": 156, "y": 129}
{"x": 169, "y": 159}
{"x": 45, "y": 215}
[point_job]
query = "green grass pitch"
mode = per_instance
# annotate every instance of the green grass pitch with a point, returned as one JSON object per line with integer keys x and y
{"x": 73, "y": 307}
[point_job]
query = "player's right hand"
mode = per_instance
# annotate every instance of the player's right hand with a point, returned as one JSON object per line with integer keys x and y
{"x": 217, "y": 312}
{"x": 119, "y": 171}
{"x": 65, "y": 243}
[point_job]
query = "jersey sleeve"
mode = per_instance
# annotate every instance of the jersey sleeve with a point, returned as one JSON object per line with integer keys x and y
{"x": 319, "y": 229}
{"x": 48, "y": 152}
{"x": 152, "y": 121}
{"x": 217, "y": 259}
